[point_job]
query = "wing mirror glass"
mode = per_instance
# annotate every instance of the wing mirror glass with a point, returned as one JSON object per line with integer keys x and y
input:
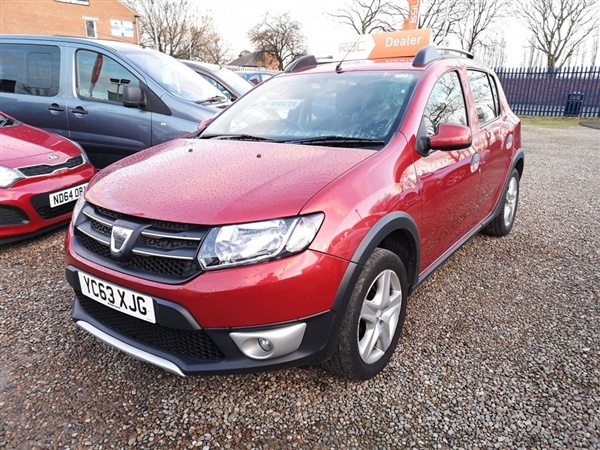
{"x": 451, "y": 136}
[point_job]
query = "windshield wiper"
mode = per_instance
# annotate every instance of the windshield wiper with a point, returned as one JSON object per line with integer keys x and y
{"x": 214, "y": 99}
{"x": 238, "y": 137}
{"x": 340, "y": 141}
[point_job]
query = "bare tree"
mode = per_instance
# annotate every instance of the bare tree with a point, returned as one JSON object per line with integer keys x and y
{"x": 279, "y": 36}
{"x": 494, "y": 52}
{"x": 479, "y": 17}
{"x": 442, "y": 16}
{"x": 175, "y": 28}
{"x": 367, "y": 16}
{"x": 594, "y": 50}
{"x": 558, "y": 27}
{"x": 216, "y": 50}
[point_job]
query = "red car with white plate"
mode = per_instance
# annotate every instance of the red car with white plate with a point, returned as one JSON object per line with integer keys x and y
{"x": 291, "y": 228}
{"x": 42, "y": 175}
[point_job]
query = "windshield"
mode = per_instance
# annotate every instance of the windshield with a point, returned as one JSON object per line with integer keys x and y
{"x": 234, "y": 80}
{"x": 173, "y": 76}
{"x": 320, "y": 107}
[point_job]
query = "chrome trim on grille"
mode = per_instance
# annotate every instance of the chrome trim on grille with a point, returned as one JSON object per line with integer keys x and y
{"x": 129, "y": 349}
{"x": 158, "y": 250}
{"x": 98, "y": 219}
{"x": 160, "y": 255}
{"x": 156, "y": 235}
{"x": 93, "y": 236}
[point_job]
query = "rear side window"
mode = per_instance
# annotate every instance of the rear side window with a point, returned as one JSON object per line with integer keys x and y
{"x": 102, "y": 78}
{"x": 486, "y": 98}
{"x": 30, "y": 69}
{"x": 446, "y": 104}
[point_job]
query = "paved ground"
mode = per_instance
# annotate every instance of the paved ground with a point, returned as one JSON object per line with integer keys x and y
{"x": 500, "y": 349}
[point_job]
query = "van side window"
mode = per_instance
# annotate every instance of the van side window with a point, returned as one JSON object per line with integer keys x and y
{"x": 30, "y": 69}
{"x": 446, "y": 104}
{"x": 101, "y": 78}
{"x": 482, "y": 95}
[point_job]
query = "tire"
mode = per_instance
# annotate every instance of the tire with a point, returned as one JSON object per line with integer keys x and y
{"x": 364, "y": 347}
{"x": 503, "y": 222}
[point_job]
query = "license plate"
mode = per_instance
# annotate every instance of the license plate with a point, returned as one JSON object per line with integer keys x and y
{"x": 124, "y": 300}
{"x": 66, "y": 196}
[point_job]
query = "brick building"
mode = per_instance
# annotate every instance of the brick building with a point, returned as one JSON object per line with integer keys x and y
{"x": 101, "y": 19}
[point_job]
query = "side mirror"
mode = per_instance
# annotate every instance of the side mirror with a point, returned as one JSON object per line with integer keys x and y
{"x": 451, "y": 136}
{"x": 206, "y": 122}
{"x": 132, "y": 96}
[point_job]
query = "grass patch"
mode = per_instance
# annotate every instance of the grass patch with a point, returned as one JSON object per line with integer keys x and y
{"x": 556, "y": 122}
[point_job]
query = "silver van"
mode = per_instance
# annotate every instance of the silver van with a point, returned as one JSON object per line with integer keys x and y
{"x": 111, "y": 97}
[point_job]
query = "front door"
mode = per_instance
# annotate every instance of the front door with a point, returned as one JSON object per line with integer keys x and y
{"x": 448, "y": 180}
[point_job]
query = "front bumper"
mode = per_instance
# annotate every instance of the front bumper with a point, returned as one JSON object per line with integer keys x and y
{"x": 25, "y": 206}
{"x": 200, "y": 351}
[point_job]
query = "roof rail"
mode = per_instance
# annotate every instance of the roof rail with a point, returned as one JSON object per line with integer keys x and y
{"x": 431, "y": 53}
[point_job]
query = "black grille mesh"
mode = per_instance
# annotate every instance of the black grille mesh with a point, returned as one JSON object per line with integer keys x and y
{"x": 172, "y": 226}
{"x": 11, "y": 215}
{"x": 46, "y": 212}
{"x": 45, "y": 169}
{"x": 195, "y": 344}
{"x": 173, "y": 268}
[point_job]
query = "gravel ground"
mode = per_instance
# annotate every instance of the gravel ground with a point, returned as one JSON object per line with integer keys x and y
{"x": 500, "y": 349}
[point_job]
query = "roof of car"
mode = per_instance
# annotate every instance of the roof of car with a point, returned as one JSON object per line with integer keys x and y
{"x": 115, "y": 45}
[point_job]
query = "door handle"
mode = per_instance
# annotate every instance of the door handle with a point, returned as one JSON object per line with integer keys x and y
{"x": 79, "y": 111}
{"x": 55, "y": 108}
{"x": 475, "y": 161}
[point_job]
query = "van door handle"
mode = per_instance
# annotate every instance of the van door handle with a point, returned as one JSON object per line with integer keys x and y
{"x": 54, "y": 108}
{"x": 79, "y": 111}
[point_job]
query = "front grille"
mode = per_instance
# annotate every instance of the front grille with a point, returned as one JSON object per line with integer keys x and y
{"x": 176, "y": 269}
{"x": 195, "y": 344}
{"x": 163, "y": 251}
{"x": 11, "y": 215}
{"x": 46, "y": 212}
{"x": 41, "y": 203}
{"x": 45, "y": 169}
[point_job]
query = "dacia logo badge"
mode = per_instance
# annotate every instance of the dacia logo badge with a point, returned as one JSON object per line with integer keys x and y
{"x": 119, "y": 238}
{"x": 52, "y": 157}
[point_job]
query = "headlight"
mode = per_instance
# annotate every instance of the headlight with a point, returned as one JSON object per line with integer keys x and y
{"x": 248, "y": 243}
{"x": 9, "y": 176}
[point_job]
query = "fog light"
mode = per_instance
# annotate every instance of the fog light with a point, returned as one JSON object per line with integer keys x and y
{"x": 265, "y": 344}
{"x": 269, "y": 344}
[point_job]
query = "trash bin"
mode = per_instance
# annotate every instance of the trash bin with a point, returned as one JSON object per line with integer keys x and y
{"x": 573, "y": 106}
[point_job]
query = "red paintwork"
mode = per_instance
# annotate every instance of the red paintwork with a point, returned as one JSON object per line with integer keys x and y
{"x": 22, "y": 145}
{"x": 223, "y": 182}
{"x": 220, "y": 182}
{"x": 451, "y": 136}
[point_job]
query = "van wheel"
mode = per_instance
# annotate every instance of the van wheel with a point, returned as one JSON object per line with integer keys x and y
{"x": 373, "y": 321}
{"x": 503, "y": 222}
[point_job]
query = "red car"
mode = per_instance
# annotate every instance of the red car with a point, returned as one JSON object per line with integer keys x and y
{"x": 292, "y": 228}
{"x": 41, "y": 177}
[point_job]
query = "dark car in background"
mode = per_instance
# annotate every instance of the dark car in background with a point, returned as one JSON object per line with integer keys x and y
{"x": 111, "y": 97}
{"x": 225, "y": 80}
{"x": 41, "y": 177}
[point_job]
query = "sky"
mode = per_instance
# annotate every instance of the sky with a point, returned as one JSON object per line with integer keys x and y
{"x": 234, "y": 18}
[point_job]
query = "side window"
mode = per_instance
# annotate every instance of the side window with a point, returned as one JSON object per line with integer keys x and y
{"x": 216, "y": 84}
{"x": 446, "y": 104}
{"x": 482, "y": 95}
{"x": 101, "y": 78}
{"x": 30, "y": 69}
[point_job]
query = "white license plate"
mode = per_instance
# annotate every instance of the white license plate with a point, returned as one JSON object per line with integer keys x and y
{"x": 124, "y": 300}
{"x": 66, "y": 196}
